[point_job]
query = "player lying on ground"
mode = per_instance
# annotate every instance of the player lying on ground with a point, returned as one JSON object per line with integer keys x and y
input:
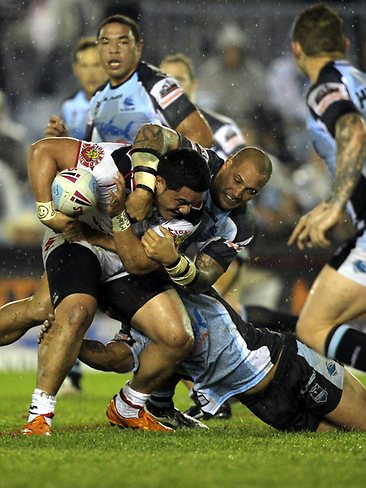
{"x": 282, "y": 381}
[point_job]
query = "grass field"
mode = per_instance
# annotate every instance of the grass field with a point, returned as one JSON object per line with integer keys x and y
{"x": 85, "y": 451}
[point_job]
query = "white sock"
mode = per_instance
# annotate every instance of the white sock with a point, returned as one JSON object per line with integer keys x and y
{"x": 129, "y": 402}
{"x": 42, "y": 404}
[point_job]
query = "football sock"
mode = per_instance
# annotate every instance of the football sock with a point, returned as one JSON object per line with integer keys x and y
{"x": 129, "y": 402}
{"x": 348, "y": 346}
{"x": 162, "y": 399}
{"x": 272, "y": 319}
{"x": 42, "y": 404}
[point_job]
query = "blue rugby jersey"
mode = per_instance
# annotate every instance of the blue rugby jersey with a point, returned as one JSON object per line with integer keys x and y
{"x": 339, "y": 89}
{"x": 74, "y": 112}
{"x": 148, "y": 96}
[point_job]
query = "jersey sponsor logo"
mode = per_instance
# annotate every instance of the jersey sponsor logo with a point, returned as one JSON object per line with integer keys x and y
{"x": 359, "y": 266}
{"x": 168, "y": 92}
{"x": 238, "y": 246}
{"x": 108, "y": 129}
{"x": 318, "y": 394}
{"x": 325, "y": 95}
{"x": 91, "y": 155}
{"x": 361, "y": 95}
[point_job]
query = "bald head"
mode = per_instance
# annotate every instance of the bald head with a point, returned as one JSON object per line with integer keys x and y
{"x": 256, "y": 158}
{"x": 241, "y": 177}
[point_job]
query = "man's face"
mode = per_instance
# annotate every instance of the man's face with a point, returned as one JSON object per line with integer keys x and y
{"x": 119, "y": 52}
{"x": 89, "y": 71}
{"x": 179, "y": 71}
{"x": 235, "y": 184}
{"x": 175, "y": 204}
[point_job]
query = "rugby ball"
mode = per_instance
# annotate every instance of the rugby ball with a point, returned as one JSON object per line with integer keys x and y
{"x": 75, "y": 191}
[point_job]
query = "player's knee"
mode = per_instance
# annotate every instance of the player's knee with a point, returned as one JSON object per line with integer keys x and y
{"x": 39, "y": 310}
{"x": 181, "y": 341}
{"x": 78, "y": 316}
{"x": 312, "y": 334}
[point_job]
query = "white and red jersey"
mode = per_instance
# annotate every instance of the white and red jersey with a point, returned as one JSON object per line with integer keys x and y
{"x": 104, "y": 160}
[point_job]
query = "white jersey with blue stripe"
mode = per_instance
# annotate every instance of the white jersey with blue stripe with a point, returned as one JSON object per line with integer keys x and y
{"x": 339, "y": 89}
{"x": 74, "y": 112}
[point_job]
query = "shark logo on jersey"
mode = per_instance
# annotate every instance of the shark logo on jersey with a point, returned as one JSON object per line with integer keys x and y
{"x": 359, "y": 266}
{"x": 331, "y": 368}
{"x": 108, "y": 129}
{"x": 91, "y": 155}
{"x": 129, "y": 103}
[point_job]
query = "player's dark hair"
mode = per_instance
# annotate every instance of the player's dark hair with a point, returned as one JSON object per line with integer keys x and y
{"x": 184, "y": 167}
{"x": 84, "y": 44}
{"x": 180, "y": 58}
{"x": 319, "y": 30}
{"x": 124, "y": 20}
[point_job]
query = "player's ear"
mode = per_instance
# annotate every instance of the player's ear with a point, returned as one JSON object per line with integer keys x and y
{"x": 296, "y": 49}
{"x": 160, "y": 183}
{"x": 139, "y": 46}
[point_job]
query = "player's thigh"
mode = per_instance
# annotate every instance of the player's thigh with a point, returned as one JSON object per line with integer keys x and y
{"x": 333, "y": 299}
{"x": 164, "y": 319}
{"x": 350, "y": 413}
{"x": 39, "y": 306}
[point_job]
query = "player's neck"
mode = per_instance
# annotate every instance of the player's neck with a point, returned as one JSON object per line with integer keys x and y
{"x": 314, "y": 65}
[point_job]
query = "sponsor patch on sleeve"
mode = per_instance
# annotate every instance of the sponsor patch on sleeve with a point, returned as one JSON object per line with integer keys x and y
{"x": 166, "y": 92}
{"x": 325, "y": 95}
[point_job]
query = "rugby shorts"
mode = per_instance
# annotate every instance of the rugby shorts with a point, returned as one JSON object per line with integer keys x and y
{"x": 305, "y": 388}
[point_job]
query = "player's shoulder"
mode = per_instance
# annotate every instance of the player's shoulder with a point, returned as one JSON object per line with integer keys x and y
{"x": 149, "y": 75}
{"x": 216, "y": 120}
{"x": 71, "y": 97}
{"x": 243, "y": 219}
{"x": 101, "y": 92}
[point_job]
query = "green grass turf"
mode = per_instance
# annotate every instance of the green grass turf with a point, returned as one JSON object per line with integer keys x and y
{"x": 84, "y": 451}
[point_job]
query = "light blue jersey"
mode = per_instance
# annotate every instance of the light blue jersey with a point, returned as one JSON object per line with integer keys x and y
{"x": 148, "y": 96}
{"x": 74, "y": 112}
{"x": 228, "y": 357}
{"x": 339, "y": 89}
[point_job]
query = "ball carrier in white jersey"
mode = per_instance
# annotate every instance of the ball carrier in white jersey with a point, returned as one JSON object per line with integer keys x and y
{"x": 74, "y": 286}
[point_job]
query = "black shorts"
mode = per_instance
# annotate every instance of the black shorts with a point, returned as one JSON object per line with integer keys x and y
{"x": 306, "y": 386}
{"x": 123, "y": 297}
{"x": 72, "y": 268}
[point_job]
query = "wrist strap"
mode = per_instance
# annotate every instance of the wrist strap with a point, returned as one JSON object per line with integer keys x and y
{"x": 46, "y": 210}
{"x": 144, "y": 187}
{"x": 121, "y": 222}
{"x": 183, "y": 272}
{"x": 145, "y": 165}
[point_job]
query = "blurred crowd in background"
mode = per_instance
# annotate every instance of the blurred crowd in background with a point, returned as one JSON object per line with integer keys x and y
{"x": 244, "y": 67}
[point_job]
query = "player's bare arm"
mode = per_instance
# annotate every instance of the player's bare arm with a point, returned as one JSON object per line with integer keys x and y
{"x": 350, "y": 138}
{"x": 209, "y": 272}
{"x": 351, "y": 149}
{"x": 196, "y": 128}
{"x": 128, "y": 245}
{"x": 46, "y": 157}
{"x": 163, "y": 250}
{"x": 151, "y": 141}
{"x": 80, "y": 231}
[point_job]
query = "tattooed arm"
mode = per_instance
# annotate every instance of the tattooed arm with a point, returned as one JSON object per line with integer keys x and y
{"x": 350, "y": 137}
{"x": 151, "y": 142}
{"x": 209, "y": 271}
{"x": 312, "y": 229}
